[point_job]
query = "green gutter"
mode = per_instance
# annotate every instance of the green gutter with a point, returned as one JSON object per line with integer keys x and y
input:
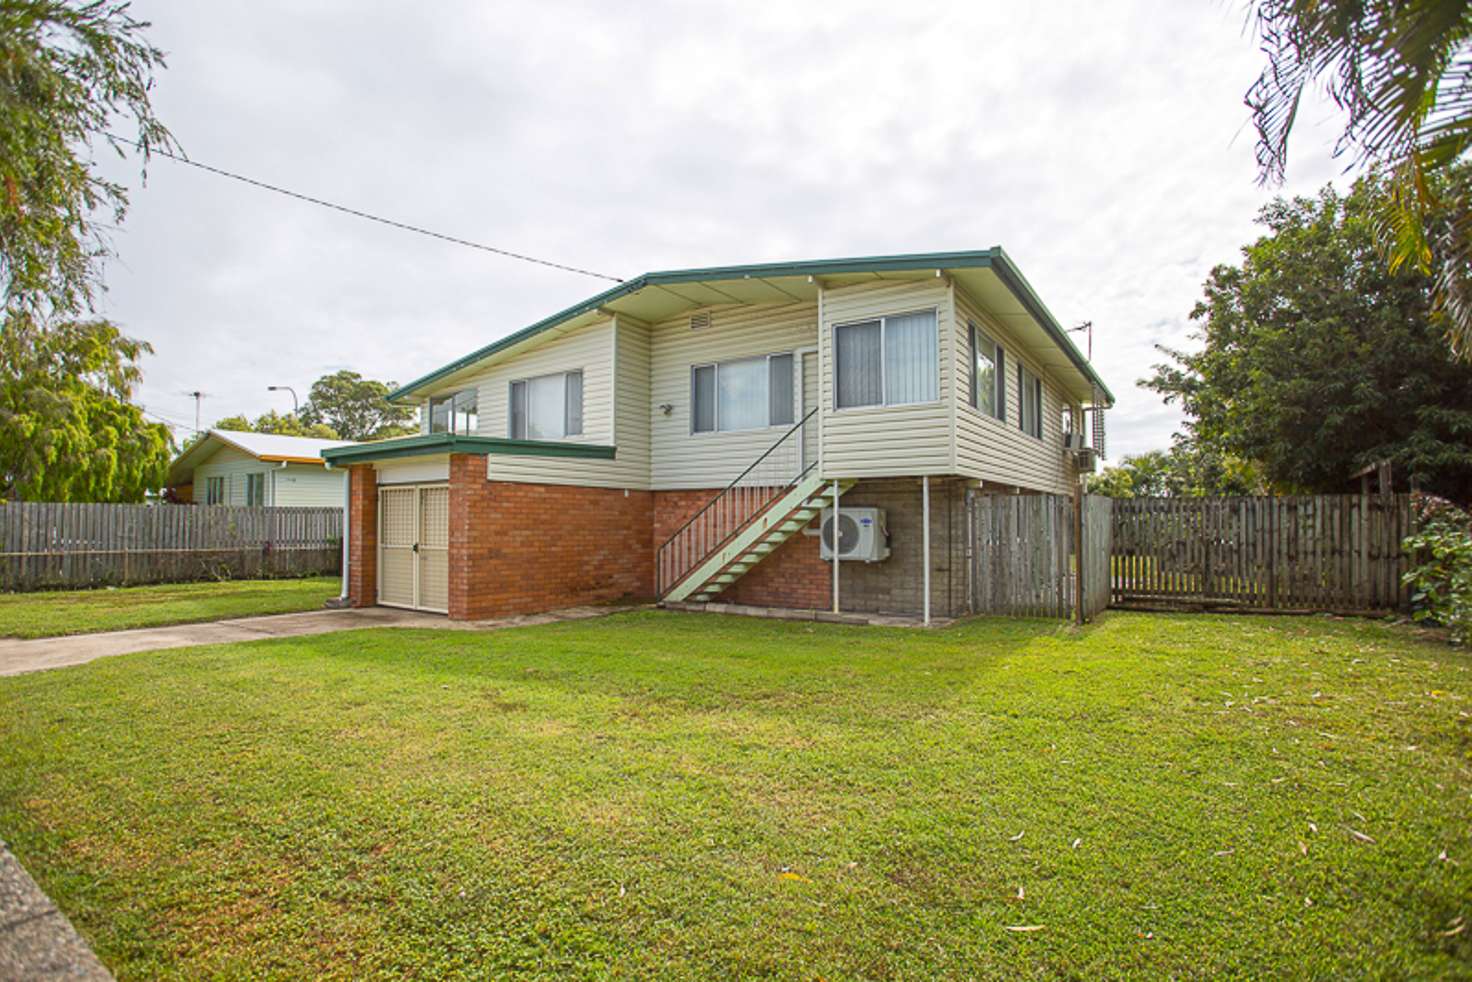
{"x": 993, "y": 258}
{"x": 447, "y": 443}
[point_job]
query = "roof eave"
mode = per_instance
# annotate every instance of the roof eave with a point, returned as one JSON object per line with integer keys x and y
{"x": 995, "y": 258}
{"x": 434, "y": 444}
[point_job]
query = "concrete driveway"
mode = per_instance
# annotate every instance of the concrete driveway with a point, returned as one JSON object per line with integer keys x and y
{"x": 42, "y": 653}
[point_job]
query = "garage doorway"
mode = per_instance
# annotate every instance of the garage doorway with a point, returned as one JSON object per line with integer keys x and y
{"x": 414, "y": 547}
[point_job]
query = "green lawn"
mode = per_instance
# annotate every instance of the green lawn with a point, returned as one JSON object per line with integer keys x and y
{"x": 47, "y": 614}
{"x": 703, "y": 797}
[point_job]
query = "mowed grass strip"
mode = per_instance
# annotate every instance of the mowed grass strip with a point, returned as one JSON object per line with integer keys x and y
{"x": 48, "y": 614}
{"x": 692, "y": 796}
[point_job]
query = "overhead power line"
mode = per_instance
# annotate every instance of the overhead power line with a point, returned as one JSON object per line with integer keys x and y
{"x": 507, "y": 253}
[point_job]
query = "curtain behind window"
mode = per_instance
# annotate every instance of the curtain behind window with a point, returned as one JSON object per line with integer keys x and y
{"x": 518, "y": 410}
{"x": 703, "y": 399}
{"x": 859, "y": 378}
{"x": 741, "y": 389}
{"x": 546, "y": 406}
{"x": 779, "y": 388}
{"x": 574, "y": 412}
{"x": 911, "y": 360}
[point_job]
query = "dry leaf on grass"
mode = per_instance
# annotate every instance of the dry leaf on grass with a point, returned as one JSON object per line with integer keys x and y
{"x": 1076, "y": 842}
{"x": 1224, "y": 852}
{"x": 1017, "y": 837}
{"x": 1024, "y": 928}
{"x": 1360, "y": 836}
{"x": 789, "y": 875}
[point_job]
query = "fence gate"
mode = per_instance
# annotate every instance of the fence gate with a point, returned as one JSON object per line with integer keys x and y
{"x": 1026, "y": 558}
{"x": 1316, "y": 552}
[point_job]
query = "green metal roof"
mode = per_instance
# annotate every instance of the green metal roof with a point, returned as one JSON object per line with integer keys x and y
{"x": 445, "y": 443}
{"x": 994, "y": 259}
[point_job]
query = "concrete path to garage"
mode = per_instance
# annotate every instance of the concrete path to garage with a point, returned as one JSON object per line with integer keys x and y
{"x": 38, "y": 654}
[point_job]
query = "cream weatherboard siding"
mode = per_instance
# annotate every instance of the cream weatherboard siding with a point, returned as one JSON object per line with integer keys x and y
{"x": 631, "y": 408}
{"x": 588, "y": 349}
{"x": 997, "y": 452}
{"x": 294, "y": 485}
{"x": 233, "y": 465}
{"x": 682, "y": 459}
{"x": 884, "y": 441}
{"x": 304, "y": 486}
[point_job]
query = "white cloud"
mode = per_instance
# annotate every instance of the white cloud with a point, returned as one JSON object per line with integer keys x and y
{"x": 1105, "y": 146}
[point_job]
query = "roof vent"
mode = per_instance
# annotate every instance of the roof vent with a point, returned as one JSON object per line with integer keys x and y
{"x": 699, "y": 321}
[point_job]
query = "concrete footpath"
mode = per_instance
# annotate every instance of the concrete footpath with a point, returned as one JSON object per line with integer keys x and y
{"x": 42, "y": 653}
{"x": 36, "y": 939}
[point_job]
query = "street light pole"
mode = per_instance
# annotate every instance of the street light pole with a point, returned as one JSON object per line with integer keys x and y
{"x": 286, "y": 388}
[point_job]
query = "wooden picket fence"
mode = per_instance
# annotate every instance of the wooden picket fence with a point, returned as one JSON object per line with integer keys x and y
{"x": 1026, "y": 560}
{"x": 54, "y": 546}
{"x": 1321, "y": 552}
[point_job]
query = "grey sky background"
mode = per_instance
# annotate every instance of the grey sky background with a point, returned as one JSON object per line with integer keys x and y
{"x": 1105, "y": 146}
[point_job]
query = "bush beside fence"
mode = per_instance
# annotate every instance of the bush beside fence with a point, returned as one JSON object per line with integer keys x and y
{"x": 59, "y": 546}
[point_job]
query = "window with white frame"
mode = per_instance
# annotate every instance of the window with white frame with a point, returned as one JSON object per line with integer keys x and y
{"x": 890, "y": 361}
{"x": 255, "y": 490}
{"x": 743, "y": 394}
{"x": 454, "y": 413}
{"x": 548, "y": 407}
{"x": 1030, "y": 402}
{"x": 988, "y": 376}
{"x": 214, "y": 491}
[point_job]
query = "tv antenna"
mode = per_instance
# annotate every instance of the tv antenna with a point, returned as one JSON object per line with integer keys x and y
{"x": 198, "y": 397}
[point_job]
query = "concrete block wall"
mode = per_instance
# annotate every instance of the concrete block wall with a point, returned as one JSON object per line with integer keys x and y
{"x": 895, "y": 586}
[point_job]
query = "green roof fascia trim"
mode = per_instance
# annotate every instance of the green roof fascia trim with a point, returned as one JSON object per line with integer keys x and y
{"x": 447, "y": 443}
{"x": 993, "y": 258}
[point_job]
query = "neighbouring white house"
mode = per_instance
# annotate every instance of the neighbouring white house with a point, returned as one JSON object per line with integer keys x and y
{"x": 227, "y": 467}
{"x": 707, "y": 434}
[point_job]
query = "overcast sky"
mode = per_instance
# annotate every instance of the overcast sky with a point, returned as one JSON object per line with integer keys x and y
{"x": 1104, "y": 146}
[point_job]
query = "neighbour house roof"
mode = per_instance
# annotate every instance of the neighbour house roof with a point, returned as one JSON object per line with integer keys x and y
{"x": 428, "y": 444}
{"x": 268, "y": 447}
{"x": 989, "y": 275}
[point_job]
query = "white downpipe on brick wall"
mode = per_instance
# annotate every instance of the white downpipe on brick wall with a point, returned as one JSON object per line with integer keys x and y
{"x": 925, "y": 541}
{"x": 347, "y": 525}
{"x": 836, "y": 541}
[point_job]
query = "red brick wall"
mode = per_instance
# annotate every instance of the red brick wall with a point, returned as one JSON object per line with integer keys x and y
{"x": 523, "y": 548}
{"x": 362, "y": 536}
{"x": 793, "y": 576}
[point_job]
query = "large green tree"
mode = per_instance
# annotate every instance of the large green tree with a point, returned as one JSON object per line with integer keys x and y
{"x": 68, "y": 431}
{"x": 68, "y": 428}
{"x": 1402, "y": 72}
{"x": 1317, "y": 359}
{"x": 357, "y": 408}
{"x": 284, "y": 424}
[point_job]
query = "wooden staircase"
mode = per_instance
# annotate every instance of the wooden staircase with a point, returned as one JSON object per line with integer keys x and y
{"x": 781, "y": 519}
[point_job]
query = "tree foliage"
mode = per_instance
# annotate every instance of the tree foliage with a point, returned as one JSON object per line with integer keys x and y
{"x": 68, "y": 430}
{"x": 1185, "y": 470}
{"x": 284, "y": 424}
{"x": 1318, "y": 359}
{"x": 67, "y": 71}
{"x": 1402, "y": 72}
{"x": 357, "y": 408}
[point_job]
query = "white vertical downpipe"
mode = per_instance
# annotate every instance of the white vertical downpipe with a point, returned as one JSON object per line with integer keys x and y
{"x": 347, "y": 526}
{"x": 925, "y": 541}
{"x": 836, "y": 538}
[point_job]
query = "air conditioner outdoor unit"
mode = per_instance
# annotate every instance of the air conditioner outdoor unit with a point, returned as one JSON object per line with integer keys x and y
{"x": 1075, "y": 441}
{"x": 861, "y": 534}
